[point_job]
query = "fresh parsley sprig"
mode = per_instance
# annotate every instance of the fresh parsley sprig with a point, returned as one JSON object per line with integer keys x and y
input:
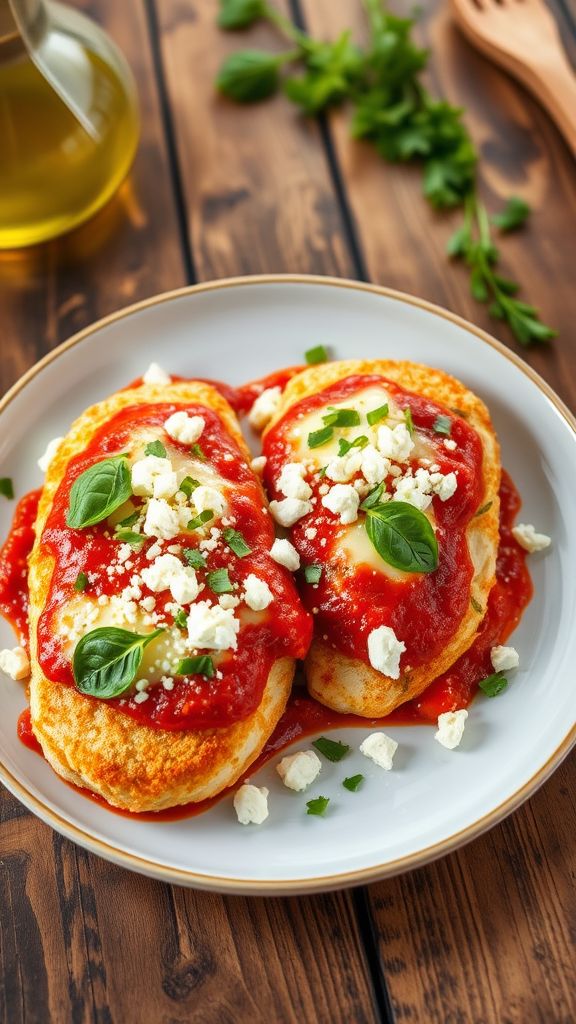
{"x": 395, "y": 112}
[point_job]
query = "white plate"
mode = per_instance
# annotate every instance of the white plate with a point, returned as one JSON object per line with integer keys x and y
{"x": 434, "y": 799}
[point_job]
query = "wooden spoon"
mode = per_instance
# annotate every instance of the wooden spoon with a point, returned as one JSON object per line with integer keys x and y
{"x": 523, "y": 37}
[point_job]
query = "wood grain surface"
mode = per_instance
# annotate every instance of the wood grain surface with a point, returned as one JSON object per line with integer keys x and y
{"x": 489, "y": 933}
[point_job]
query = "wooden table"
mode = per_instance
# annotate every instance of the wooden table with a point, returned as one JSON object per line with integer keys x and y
{"x": 485, "y": 935}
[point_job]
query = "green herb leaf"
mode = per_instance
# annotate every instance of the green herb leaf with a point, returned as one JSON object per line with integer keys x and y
{"x": 98, "y": 492}
{"x": 199, "y": 666}
{"x": 316, "y": 355}
{"x": 409, "y": 421}
{"x": 442, "y": 425}
{"x": 188, "y": 485}
{"x": 380, "y": 413}
{"x": 194, "y": 558}
{"x": 331, "y": 71}
{"x": 513, "y": 216}
{"x": 107, "y": 659}
{"x": 318, "y": 805}
{"x": 403, "y": 536}
{"x": 353, "y": 782}
{"x": 372, "y": 499}
{"x": 129, "y": 537}
{"x": 6, "y": 487}
{"x": 181, "y": 619}
{"x": 493, "y": 684}
{"x": 156, "y": 448}
{"x": 319, "y": 437}
{"x": 198, "y": 452}
{"x": 128, "y": 521}
{"x": 484, "y": 508}
{"x": 81, "y": 582}
{"x": 201, "y": 519}
{"x": 249, "y": 76}
{"x": 313, "y": 573}
{"x": 345, "y": 446}
{"x": 333, "y": 750}
{"x": 219, "y": 581}
{"x": 476, "y": 606}
{"x": 341, "y": 418}
{"x": 236, "y": 14}
{"x": 236, "y": 542}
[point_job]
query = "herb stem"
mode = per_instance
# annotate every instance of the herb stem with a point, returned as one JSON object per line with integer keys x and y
{"x": 285, "y": 26}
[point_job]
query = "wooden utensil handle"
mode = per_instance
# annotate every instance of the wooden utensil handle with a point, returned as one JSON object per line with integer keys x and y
{"x": 554, "y": 85}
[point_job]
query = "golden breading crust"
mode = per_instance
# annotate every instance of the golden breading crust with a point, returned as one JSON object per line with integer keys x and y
{"x": 352, "y": 686}
{"x": 134, "y": 766}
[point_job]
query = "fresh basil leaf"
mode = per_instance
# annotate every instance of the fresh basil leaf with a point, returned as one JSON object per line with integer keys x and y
{"x": 129, "y": 537}
{"x": 219, "y": 581}
{"x": 353, "y": 782}
{"x": 403, "y": 536}
{"x": 201, "y": 519}
{"x": 483, "y": 509}
{"x": 202, "y": 665}
{"x": 373, "y": 498}
{"x": 236, "y": 14}
{"x": 249, "y": 75}
{"x": 98, "y": 492}
{"x": 319, "y": 437}
{"x": 312, "y": 573}
{"x": 81, "y": 582}
{"x": 188, "y": 485}
{"x": 378, "y": 414}
{"x": 6, "y": 487}
{"x": 345, "y": 446}
{"x": 198, "y": 452}
{"x": 341, "y": 418}
{"x": 334, "y": 750}
{"x": 194, "y": 558}
{"x": 106, "y": 660}
{"x": 513, "y": 216}
{"x": 156, "y": 448}
{"x": 181, "y": 619}
{"x": 236, "y": 542}
{"x": 493, "y": 684}
{"x": 442, "y": 425}
{"x": 316, "y": 355}
{"x": 318, "y": 805}
{"x": 409, "y": 421}
{"x": 128, "y": 521}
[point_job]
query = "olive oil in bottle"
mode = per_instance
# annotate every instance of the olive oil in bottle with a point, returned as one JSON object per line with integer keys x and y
{"x": 68, "y": 120}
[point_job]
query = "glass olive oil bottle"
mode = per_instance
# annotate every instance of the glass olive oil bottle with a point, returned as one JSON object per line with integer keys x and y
{"x": 68, "y": 120}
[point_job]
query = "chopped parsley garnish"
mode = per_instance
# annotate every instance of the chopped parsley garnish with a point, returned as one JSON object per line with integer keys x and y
{"x": 181, "y": 619}
{"x": 199, "y": 666}
{"x": 344, "y": 446}
{"x": 313, "y": 573}
{"x": 129, "y": 521}
{"x": 409, "y": 421}
{"x": 353, "y": 782}
{"x": 442, "y": 425}
{"x": 81, "y": 582}
{"x": 194, "y": 558}
{"x": 322, "y": 472}
{"x": 219, "y": 581}
{"x": 188, "y": 485}
{"x": 201, "y": 519}
{"x": 236, "y": 542}
{"x": 378, "y": 414}
{"x": 341, "y": 417}
{"x": 319, "y": 437}
{"x": 513, "y": 215}
{"x": 316, "y": 355}
{"x": 156, "y": 448}
{"x": 198, "y": 453}
{"x": 334, "y": 750}
{"x": 483, "y": 509}
{"x": 129, "y": 537}
{"x": 494, "y": 684}
{"x": 6, "y": 487}
{"x": 318, "y": 805}
{"x": 373, "y": 498}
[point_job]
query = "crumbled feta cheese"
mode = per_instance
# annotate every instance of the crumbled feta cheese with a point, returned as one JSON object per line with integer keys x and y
{"x": 341, "y": 468}
{"x": 184, "y": 587}
{"x": 139, "y": 698}
{"x": 374, "y": 466}
{"x": 291, "y": 482}
{"x": 310, "y": 533}
{"x": 257, "y": 593}
{"x": 51, "y": 449}
{"x": 283, "y": 552}
{"x": 528, "y": 539}
{"x": 343, "y": 501}
{"x": 15, "y": 663}
{"x": 156, "y": 375}
{"x": 451, "y": 728}
{"x": 264, "y": 407}
{"x": 298, "y": 771}
{"x": 258, "y": 464}
{"x": 384, "y": 650}
{"x": 153, "y": 476}
{"x": 161, "y": 520}
{"x": 124, "y": 552}
{"x": 184, "y": 428}
{"x": 148, "y": 604}
{"x": 416, "y": 490}
{"x": 251, "y": 804}
{"x": 142, "y": 684}
{"x": 289, "y": 510}
{"x": 380, "y": 748}
{"x": 228, "y": 601}
{"x": 212, "y": 627}
{"x": 395, "y": 443}
{"x": 504, "y": 658}
{"x": 446, "y": 487}
{"x": 204, "y": 498}
{"x": 160, "y": 574}
{"x": 450, "y": 444}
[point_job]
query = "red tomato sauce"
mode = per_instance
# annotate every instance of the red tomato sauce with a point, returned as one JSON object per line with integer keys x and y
{"x": 284, "y": 629}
